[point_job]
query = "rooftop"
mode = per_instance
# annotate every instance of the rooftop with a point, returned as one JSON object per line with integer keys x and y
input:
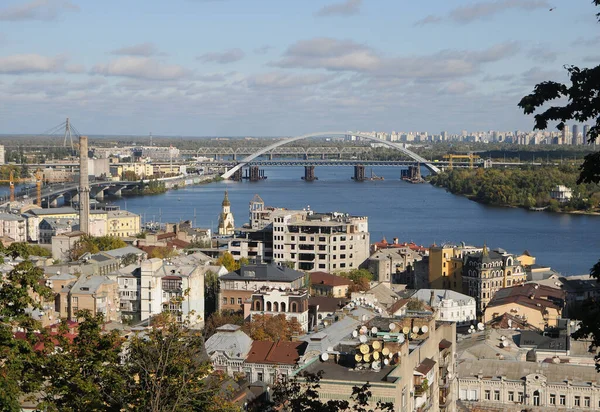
{"x": 324, "y": 278}
{"x": 120, "y": 252}
{"x": 326, "y": 303}
{"x": 441, "y": 294}
{"x": 264, "y": 272}
{"x": 529, "y": 294}
{"x": 231, "y": 340}
{"x": 53, "y": 211}
{"x": 337, "y": 372}
{"x": 288, "y": 353}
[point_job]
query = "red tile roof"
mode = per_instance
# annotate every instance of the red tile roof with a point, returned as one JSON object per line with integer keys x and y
{"x": 178, "y": 243}
{"x": 166, "y": 235}
{"x": 323, "y": 278}
{"x": 276, "y": 352}
{"x": 383, "y": 244}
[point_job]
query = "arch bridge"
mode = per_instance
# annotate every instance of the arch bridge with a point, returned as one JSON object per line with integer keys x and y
{"x": 433, "y": 169}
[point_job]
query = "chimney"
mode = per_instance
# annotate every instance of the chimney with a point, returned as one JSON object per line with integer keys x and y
{"x": 432, "y": 298}
{"x": 395, "y": 241}
{"x": 84, "y": 186}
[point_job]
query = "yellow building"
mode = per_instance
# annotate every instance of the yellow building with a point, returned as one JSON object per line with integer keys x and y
{"x": 526, "y": 259}
{"x": 446, "y": 266}
{"x": 122, "y": 223}
{"x": 143, "y": 170}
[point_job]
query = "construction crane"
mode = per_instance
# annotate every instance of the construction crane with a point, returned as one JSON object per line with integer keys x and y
{"x": 469, "y": 156}
{"x": 38, "y": 176}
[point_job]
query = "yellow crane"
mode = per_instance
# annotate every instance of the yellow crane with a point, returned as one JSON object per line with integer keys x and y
{"x": 469, "y": 156}
{"x": 38, "y": 176}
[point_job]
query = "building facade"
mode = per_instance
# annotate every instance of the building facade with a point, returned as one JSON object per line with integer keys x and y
{"x": 122, "y": 223}
{"x": 13, "y": 227}
{"x": 293, "y": 303}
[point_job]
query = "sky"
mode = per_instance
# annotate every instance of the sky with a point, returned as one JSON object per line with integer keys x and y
{"x": 283, "y": 67}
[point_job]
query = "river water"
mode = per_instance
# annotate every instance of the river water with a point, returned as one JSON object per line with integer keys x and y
{"x": 421, "y": 213}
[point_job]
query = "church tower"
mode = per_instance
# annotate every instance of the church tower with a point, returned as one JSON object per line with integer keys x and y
{"x": 226, "y": 224}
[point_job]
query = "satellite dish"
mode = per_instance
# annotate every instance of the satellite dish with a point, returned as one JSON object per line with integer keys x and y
{"x": 405, "y": 330}
{"x": 363, "y": 339}
{"x": 424, "y": 329}
{"x": 503, "y": 337}
{"x": 392, "y": 326}
{"x": 362, "y": 331}
{"x": 330, "y": 349}
{"x": 386, "y": 362}
{"x": 373, "y": 330}
{"x": 401, "y": 338}
{"x": 450, "y": 375}
{"x": 399, "y": 353}
{"x": 367, "y": 357}
{"x": 354, "y": 333}
{"x": 364, "y": 317}
{"x": 364, "y": 349}
{"x": 385, "y": 351}
{"x": 357, "y": 357}
{"x": 376, "y": 345}
{"x": 376, "y": 355}
{"x": 386, "y": 337}
{"x": 324, "y": 357}
{"x": 415, "y": 329}
{"x": 480, "y": 326}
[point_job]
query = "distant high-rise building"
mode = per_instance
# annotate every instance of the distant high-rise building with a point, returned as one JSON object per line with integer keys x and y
{"x": 575, "y": 137}
{"x": 494, "y": 136}
{"x": 586, "y": 129}
{"x": 444, "y": 136}
{"x": 2, "y": 161}
{"x": 565, "y": 135}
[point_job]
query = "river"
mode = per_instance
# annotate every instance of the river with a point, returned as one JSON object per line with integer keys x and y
{"x": 421, "y": 213}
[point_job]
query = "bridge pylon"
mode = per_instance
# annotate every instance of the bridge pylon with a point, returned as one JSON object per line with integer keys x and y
{"x": 309, "y": 174}
{"x": 359, "y": 173}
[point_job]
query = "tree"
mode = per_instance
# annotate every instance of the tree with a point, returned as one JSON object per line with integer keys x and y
{"x": 583, "y": 104}
{"x": 22, "y": 289}
{"x": 227, "y": 260}
{"x": 301, "y": 394}
{"x": 218, "y": 319}
{"x": 273, "y": 328}
{"x": 129, "y": 259}
{"x": 163, "y": 252}
{"x": 211, "y": 292}
{"x": 24, "y": 250}
{"x": 360, "y": 278}
{"x": 95, "y": 244}
{"x": 415, "y": 304}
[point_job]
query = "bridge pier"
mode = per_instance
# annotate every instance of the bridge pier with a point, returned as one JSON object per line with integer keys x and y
{"x": 115, "y": 192}
{"x": 254, "y": 174}
{"x": 359, "y": 173}
{"x": 323, "y": 156}
{"x": 234, "y": 156}
{"x": 412, "y": 174}
{"x": 309, "y": 174}
{"x": 237, "y": 176}
{"x": 270, "y": 156}
{"x": 98, "y": 193}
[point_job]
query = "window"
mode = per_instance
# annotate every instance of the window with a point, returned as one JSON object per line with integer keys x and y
{"x": 563, "y": 400}
{"x": 232, "y": 301}
{"x": 302, "y": 238}
{"x": 487, "y": 396}
{"x": 496, "y": 395}
{"x": 587, "y": 402}
{"x": 322, "y": 265}
{"x": 520, "y": 398}
{"x": 511, "y": 396}
{"x": 536, "y": 398}
{"x": 239, "y": 300}
{"x": 293, "y": 237}
{"x": 224, "y": 300}
{"x": 552, "y": 399}
{"x": 260, "y": 376}
{"x": 577, "y": 401}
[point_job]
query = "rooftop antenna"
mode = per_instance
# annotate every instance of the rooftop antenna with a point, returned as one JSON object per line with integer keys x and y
{"x": 68, "y": 134}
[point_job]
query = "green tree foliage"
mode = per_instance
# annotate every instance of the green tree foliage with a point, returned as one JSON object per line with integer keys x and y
{"x": 360, "y": 278}
{"x": 22, "y": 289}
{"x": 211, "y": 292}
{"x": 130, "y": 176}
{"x": 129, "y": 259}
{"x": 583, "y": 104}
{"x": 218, "y": 319}
{"x": 92, "y": 244}
{"x": 86, "y": 374}
{"x": 528, "y": 187}
{"x": 301, "y": 394}
{"x": 415, "y": 304}
{"x": 163, "y": 252}
{"x": 24, "y": 250}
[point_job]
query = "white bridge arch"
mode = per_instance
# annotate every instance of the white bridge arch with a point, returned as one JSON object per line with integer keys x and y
{"x": 248, "y": 159}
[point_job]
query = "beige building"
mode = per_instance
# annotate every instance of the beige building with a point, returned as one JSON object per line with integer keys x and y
{"x": 13, "y": 227}
{"x": 143, "y": 170}
{"x": 393, "y": 264}
{"x": 486, "y": 272}
{"x": 326, "y": 284}
{"x": 122, "y": 223}
{"x": 418, "y": 375}
{"x": 538, "y": 305}
{"x": 63, "y": 243}
{"x": 516, "y": 386}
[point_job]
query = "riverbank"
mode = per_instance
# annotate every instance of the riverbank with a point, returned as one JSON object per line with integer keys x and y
{"x": 175, "y": 184}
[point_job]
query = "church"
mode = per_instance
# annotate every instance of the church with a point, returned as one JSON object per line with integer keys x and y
{"x": 226, "y": 224}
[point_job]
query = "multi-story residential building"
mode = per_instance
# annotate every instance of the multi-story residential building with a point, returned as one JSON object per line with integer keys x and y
{"x": 14, "y": 227}
{"x": 63, "y": 243}
{"x": 122, "y": 223}
{"x": 237, "y": 287}
{"x": 326, "y": 284}
{"x": 142, "y": 170}
{"x": 449, "y": 305}
{"x": 515, "y": 386}
{"x": 177, "y": 288}
{"x": 418, "y": 375}
{"x": 561, "y": 193}
{"x": 393, "y": 265}
{"x": 486, "y": 272}
{"x": 293, "y": 303}
{"x": 446, "y": 266}
{"x": 2, "y": 155}
{"x": 51, "y": 227}
{"x": 540, "y": 306}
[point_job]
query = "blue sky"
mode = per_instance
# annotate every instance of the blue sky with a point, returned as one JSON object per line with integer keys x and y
{"x": 283, "y": 67}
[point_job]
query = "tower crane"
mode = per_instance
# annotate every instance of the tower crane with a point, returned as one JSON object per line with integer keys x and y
{"x": 38, "y": 176}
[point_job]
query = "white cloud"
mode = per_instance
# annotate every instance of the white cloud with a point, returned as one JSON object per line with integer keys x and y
{"x": 142, "y": 49}
{"x": 36, "y": 63}
{"x": 345, "y": 8}
{"x": 142, "y": 68}
{"x": 485, "y": 9}
{"x": 37, "y": 10}
{"x": 286, "y": 80}
{"x": 228, "y": 56}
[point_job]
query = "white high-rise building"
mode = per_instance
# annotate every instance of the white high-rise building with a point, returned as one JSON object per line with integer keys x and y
{"x": 2, "y": 154}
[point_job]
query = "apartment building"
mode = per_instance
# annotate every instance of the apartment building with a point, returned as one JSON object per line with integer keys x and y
{"x": 293, "y": 303}
{"x": 326, "y": 284}
{"x": 446, "y": 265}
{"x": 13, "y": 227}
{"x": 237, "y": 287}
{"x": 122, "y": 223}
{"x": 486, "y": 272}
